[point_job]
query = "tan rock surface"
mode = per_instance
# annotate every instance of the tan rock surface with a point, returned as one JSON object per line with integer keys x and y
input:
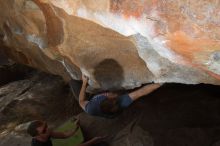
{"x": 116, "y": 43}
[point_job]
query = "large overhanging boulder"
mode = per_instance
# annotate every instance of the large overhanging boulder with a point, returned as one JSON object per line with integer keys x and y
{"x": 116, "y": 43}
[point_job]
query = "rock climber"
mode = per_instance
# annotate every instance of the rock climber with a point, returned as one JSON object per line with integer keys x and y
{"x": 111, "y": 103}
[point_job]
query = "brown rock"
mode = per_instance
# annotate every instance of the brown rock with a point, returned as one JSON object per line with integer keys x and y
{"x": 147, "y": 40}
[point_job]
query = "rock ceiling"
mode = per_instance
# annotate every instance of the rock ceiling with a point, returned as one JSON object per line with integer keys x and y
{"x": 117, "y": 43}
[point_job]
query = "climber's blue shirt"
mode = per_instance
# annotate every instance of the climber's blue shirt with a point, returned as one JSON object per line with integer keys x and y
{"x": 93, "y": 106}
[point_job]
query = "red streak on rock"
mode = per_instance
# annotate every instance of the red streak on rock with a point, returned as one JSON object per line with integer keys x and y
{"x": 193, "y": 51}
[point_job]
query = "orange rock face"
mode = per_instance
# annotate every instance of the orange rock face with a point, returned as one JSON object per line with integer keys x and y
{"x": 117, "y": 43}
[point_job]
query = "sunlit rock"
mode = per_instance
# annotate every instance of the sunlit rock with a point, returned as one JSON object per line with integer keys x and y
{"x": 117, "y": 44}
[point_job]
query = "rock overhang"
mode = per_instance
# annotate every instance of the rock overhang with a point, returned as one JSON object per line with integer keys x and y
{"x": 138, "y": 41}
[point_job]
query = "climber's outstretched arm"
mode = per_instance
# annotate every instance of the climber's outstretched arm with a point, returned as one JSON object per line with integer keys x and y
{"x": 143, "y": 91}
{"x": 82, "y": 95}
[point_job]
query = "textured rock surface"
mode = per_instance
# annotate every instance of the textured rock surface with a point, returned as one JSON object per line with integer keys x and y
{"x": 117, "y": 43}
{"x": 34, "y": 96}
